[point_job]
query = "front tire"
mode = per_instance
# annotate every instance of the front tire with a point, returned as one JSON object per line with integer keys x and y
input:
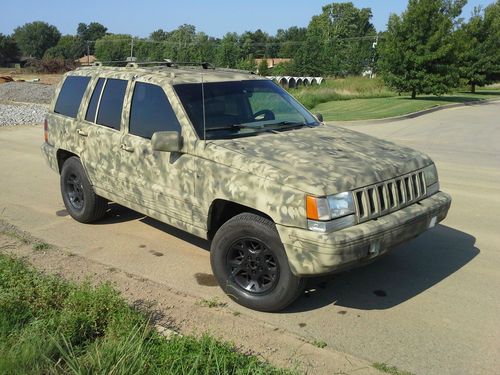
{"x": 79, "y": 198}
{"x": 251, "y": 266}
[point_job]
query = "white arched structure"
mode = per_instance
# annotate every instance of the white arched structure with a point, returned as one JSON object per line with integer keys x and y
{"x": 291, "y": 82}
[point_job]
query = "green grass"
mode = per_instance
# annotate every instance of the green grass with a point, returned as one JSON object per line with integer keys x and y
{"x": 392, "y": 370}
{"x": 341, "y": 89}
{"x": 50, "y": 326}
{"x": 376, "y": 108}
{"x": 359, "y": 98}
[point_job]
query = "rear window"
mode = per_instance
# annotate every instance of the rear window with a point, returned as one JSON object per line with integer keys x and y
{"x": 71, "y": 95}
{"x": 151, "y": 111}
{"x": 111, "y": 105}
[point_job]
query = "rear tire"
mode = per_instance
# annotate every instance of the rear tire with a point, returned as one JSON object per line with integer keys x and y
{"x": 79, "y": 198}
{"x": 249, "y": 262}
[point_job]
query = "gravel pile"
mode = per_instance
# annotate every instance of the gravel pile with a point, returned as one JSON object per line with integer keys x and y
{"x": 26, "y": 92}
{"x": 21, "y": 114}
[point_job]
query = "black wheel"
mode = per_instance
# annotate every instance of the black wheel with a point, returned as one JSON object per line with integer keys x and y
{"x": 81, "y": 202}
{"x": 251, "y": 266}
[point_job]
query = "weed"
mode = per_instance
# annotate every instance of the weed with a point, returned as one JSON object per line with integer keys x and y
{"x": 212, "y": 302}
{"x": 392, "y": 370}
{"x": 319, "y": 343}
{"x": 40, "y": 246}
{"x": 236, "y": 313}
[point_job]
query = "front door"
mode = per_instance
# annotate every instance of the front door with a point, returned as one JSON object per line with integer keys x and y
{"x": 159, "y": 181}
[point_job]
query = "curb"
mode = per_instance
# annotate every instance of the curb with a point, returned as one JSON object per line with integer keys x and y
{"x": 415, "y": 114}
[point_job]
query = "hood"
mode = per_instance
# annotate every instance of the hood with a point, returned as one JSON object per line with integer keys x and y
{"x": 322, "y": 160}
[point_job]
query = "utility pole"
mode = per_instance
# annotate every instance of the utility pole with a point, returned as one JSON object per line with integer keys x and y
{"x": 132, "y": 49}
{"x": 88, "y": 53}
{"x": 374, "y": 47}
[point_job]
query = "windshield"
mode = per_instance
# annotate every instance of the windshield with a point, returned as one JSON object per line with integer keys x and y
{"x": 241, "y": 108}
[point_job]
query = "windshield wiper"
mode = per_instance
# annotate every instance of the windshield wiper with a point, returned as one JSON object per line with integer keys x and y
{"x": 271, "y": 127}
{"x": 290, "y": 125}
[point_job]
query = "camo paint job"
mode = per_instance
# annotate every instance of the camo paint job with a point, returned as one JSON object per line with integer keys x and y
{"x": 271, "y": 173}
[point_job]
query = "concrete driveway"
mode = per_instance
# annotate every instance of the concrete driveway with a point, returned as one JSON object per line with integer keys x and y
{"x": 430, "y": 307}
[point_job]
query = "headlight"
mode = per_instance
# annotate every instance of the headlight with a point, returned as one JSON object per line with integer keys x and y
{"x": 321, "y": 212}
{"x": 431, "y": 179}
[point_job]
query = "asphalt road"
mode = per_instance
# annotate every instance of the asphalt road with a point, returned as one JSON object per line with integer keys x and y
{"x": 430, "y": 307}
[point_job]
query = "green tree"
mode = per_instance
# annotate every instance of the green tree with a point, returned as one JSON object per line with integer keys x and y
{"x": 284, "y": 69}
{"x": 69, "y": 47}
{"x": 478, "y": 47}
{"x": 8, "y": 49}
{"x": 91, "y": 33}
{"x": 247, "y": 64}
{"x": 115, "y": 47}
{"x": 338, "y": 41}
{"x": 228, "y": 51}
{"x": 290, "y": 41}
{"x": 417, "y": 52}
{"x": 35, "y": 38}
{"x": 263, "y": 68}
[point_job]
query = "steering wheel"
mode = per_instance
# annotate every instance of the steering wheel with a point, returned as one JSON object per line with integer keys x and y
{"x": 264, "y": 115}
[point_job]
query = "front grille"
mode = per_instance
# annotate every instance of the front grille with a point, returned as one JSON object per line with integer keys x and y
{"x": 388, "y": 196}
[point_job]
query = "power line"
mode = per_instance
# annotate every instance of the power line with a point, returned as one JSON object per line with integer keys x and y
{"x": 218, "y": 41}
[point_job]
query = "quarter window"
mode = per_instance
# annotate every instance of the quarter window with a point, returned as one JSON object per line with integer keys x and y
{"x": 72, "y": 91}
{"x": 151, "y": 111}
{"x": 94, "y": 100}
{"x": 110, "y": 108}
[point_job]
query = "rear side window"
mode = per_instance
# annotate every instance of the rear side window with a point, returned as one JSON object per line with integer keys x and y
{"x": 151, "y": 111}
{"x": 110, "y": 108}
{"x": 71, "y": 95}
{"x": 94, "y": 100}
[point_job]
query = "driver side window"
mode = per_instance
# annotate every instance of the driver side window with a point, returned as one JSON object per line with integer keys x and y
{"x": 151, "y": 111}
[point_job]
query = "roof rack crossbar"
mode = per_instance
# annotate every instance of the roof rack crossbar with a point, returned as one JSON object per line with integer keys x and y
{"x": 168, "y": 63}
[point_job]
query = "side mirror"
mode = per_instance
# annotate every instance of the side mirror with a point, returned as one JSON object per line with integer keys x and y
{"x": 170, "y": 141}
{"x": 319, "y": 116}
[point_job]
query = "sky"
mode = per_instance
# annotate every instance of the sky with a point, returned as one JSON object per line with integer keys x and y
{"x": 215, "y": 17}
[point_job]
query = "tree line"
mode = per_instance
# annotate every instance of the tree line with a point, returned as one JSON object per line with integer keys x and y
{"x": 428, "y": 49}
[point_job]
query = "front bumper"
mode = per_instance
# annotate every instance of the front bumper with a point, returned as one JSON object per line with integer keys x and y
{"x": 311, "y": 253}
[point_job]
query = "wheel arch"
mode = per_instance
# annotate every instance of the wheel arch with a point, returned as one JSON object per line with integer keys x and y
{"x": 63, "y": 155}
{"x": 222, "y": 210}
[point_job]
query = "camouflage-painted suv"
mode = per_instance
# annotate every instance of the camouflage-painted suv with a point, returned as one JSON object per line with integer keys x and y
{"x": 231, "y": 157}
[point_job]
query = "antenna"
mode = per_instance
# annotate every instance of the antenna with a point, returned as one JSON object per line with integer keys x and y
{"x": 203, "y": 106}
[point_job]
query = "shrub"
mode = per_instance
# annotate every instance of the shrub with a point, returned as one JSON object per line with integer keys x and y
{"x": 51, "y": 65}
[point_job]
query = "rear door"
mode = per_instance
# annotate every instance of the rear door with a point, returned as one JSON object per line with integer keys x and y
{"x": 159, "y": 181}
{"x": 102, "y": 130}
{"x": 64, "y": 120}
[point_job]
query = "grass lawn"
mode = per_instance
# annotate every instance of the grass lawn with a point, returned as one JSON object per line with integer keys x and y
{"x": 376, "y": 108}
{"x": 50, "y": 326}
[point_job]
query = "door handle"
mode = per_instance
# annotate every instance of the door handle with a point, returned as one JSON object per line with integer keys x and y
{"x": 83, "y": 133}
{"x": 126, "y": 148}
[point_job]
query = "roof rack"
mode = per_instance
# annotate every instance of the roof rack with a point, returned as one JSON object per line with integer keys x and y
{"x": 169, "y": 64}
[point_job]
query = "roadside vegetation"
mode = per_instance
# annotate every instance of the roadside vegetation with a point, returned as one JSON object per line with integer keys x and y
{"x": 341, "y": 89}
{"x": 378, "y": 108}
{"x": 359, "y": 98}
{"x": 50, "y": 326}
